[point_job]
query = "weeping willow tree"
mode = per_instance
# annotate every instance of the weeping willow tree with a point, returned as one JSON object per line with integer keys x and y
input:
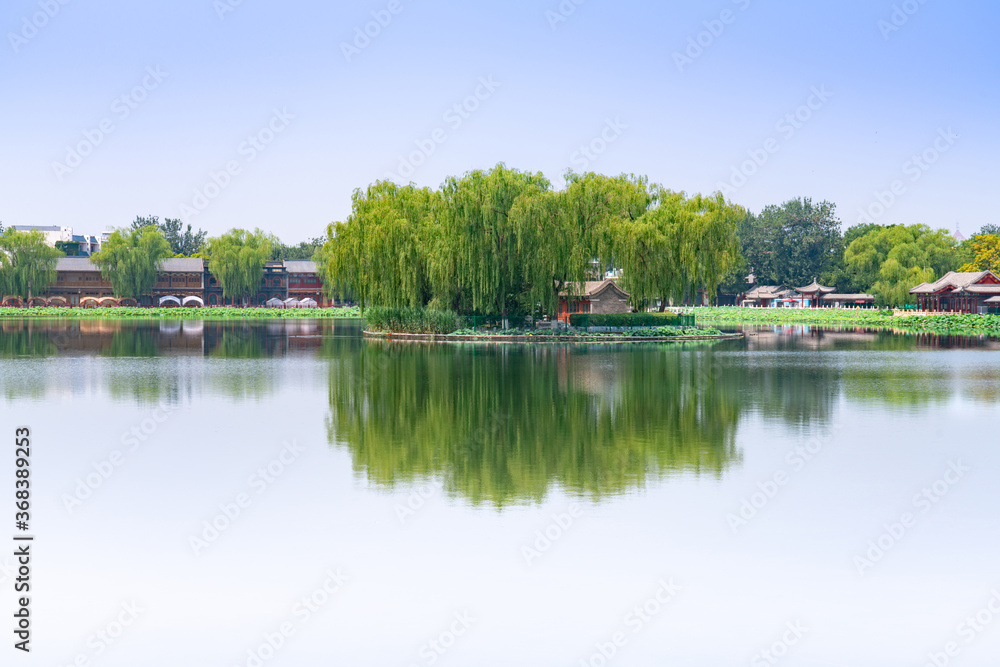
{"x": 507, "y": 425}
{"x": 237, "y": 260}
{"x": 382, "y": 253}
{"x": 481, "y": 235}
{"x": 503, "y": 241}
{"x": 27, "y": 264}
{"x": 681, "y": 245}
{"x": 131, "y": 260}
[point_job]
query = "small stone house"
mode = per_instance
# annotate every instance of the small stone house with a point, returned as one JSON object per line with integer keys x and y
{"x": 595, "y": 296}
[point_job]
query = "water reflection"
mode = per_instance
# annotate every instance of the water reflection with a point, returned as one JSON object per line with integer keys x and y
{"x": 501, "y": 424}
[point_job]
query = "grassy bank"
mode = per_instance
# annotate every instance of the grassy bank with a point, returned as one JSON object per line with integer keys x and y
{"x": 224, "y": 313}
{"x": 978, "y": 325}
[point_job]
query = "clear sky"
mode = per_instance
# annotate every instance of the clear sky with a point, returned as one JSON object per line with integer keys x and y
{"x": 247, "y": 113}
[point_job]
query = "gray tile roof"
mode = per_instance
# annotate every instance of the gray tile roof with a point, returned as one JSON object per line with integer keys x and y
{"x": 183, "y": 265}
{"x": 300, "y": 266}
{"x": 75, "y": 264}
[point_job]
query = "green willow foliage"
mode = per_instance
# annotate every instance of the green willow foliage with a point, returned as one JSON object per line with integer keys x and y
{"x": 27, "y": 264}
{"x": 131, "y": 259}
{"x": 503, "y": 241}
{"x": 237, "y": 260}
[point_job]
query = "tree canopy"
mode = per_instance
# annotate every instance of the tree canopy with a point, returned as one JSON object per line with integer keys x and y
{"x": 183, "y": 242}
{"x": 131, "y": 259}
{"x": 237, "y": 260}
{"x": 793, "y": 243}
{"x": 504, "y": 241}
{"x": 27, "y": 264}
{"x": 985, "y": 250}
{"x": 894, "y": 259}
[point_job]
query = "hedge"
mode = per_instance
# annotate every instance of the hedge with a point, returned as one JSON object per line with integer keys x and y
{"x": 625, "y": 320}
{"x": 411, "y": 320}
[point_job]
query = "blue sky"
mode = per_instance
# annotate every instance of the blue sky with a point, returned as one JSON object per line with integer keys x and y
{"x": 230, "y": 113}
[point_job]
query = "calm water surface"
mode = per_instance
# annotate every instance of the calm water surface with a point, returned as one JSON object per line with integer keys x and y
{"x": 505, "y": 505}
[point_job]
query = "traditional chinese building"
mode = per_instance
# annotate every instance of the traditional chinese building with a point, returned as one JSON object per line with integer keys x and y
{"x": 959, "y": 293}
{"x": 596, "y": 296}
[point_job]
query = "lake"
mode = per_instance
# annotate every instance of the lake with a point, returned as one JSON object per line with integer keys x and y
{"x": 285, "y": 493}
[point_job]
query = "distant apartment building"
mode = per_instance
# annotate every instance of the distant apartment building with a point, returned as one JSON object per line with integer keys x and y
{"x": 88, "y": 244}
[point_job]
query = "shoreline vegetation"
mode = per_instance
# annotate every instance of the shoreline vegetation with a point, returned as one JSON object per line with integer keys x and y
{"x": 941, "y": 323}
{"x": 425, "y": 324}
{"x": 213, "y": 313}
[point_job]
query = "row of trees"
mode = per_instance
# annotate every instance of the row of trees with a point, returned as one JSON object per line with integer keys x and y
{"x": 799, "y": 241}
{"x": 503, "y": 241}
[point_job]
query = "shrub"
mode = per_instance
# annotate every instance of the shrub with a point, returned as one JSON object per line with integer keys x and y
{"x": 411, "y": 320}
{"x": 624, "y": 320}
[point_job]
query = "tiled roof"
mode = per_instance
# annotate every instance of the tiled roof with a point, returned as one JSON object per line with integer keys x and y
{"x": 770, "y": 292}
{"x": 75, "y": 264}
{"x": 184, "y": 265}
{"x": 951, "y": 279}
{"x": 592, "y": 288}
{"x": 300, "y": 266}
{"x": 815, "y": 287}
